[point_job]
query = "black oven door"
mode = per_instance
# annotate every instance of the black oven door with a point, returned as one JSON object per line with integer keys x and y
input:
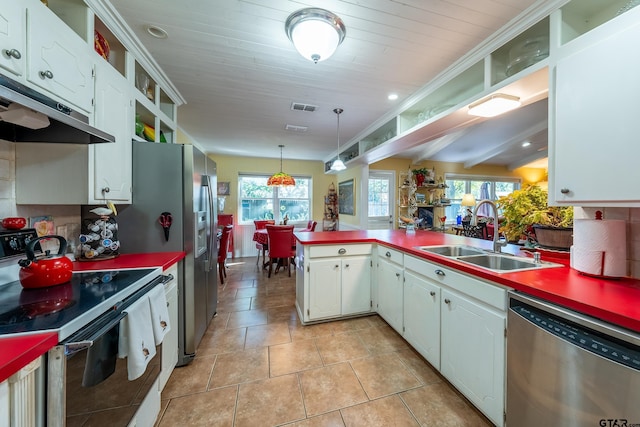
{"x": 93, "y": 380}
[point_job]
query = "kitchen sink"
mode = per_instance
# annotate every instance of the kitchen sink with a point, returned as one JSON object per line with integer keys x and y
{"x": 503, "y": 263}
{"x": 452, "y": 250}
{"x": 495, "y": 262}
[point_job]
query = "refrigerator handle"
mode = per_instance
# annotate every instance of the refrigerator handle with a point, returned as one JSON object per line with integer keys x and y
{"x": 212, "y": 232}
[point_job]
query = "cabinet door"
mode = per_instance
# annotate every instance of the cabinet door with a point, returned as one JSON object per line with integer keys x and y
{"x": 112, "y": 162}
{"x": 597, "y": 126}
{"x": 390, "y": 293}
{"x": 422, "y": 316}
{"x": 170, "y": 342}
{"x": 59, "y": 61}
{"x": 324, "y": 288}
{"x": 356, "y": 285}
{"x": 473, "y": 352}
{"x": 12, "y": 37}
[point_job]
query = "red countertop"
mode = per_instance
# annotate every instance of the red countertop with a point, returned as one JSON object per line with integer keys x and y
{"x": 614, "y": 301}
{"x": 17, "y": 352}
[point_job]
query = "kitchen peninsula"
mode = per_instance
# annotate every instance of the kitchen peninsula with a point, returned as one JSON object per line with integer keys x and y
{"x": 449, "y": 310}
{"x": 615, "y": 301}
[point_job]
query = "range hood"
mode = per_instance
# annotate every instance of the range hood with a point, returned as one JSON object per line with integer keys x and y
{"x": 29, "y": 116}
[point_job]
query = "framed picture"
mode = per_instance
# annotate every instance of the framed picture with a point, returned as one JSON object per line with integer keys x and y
{"x": 223, "y": 188}
{"x": 346, "y": 198}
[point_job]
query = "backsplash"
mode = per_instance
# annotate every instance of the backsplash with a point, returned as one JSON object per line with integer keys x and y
{"x": 63, "y": 215}
{"x": 70, "y": 214}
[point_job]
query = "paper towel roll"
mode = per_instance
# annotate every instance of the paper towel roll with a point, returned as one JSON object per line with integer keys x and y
{"x": 600, "y": 247}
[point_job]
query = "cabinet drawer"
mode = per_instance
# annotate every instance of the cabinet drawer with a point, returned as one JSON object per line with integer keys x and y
{"x": 339, "y": 250}
{"x": 488, "y": 293}
{"x": 389, "y": 254}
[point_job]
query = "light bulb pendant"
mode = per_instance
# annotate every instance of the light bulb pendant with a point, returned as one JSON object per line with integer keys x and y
{"x": 338, "y": 165}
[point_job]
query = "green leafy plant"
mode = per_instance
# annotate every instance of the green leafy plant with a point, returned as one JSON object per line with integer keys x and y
{"x": 420, "y": 171}
{"x": 528, "y": 206}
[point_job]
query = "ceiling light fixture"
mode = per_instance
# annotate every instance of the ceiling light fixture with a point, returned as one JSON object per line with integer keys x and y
{"x": 392, "y": 97}
{"x": 157, "y": 32}
{"x": 280, "y": 179}
{"x": 526, "y": 144}
{"x": 316, "y": 33}
{"x": 337, "y": 164}
{"x": 494, "y": 105}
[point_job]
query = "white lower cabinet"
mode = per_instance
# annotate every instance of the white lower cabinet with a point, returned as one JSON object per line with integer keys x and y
{"x": 324, "y": 289}
{"x": 458, "y": 323}
{"x": 170, "y": 342}
{"x": 390, "y": 299}
{"x": 333, "y": 281}
{"x": 422, "y": 316}
{"x": 473, "y": 352}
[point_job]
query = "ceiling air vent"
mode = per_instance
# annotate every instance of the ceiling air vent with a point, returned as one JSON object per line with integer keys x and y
{"x": 294, "y": 128}
{"x": 298, "y": 106}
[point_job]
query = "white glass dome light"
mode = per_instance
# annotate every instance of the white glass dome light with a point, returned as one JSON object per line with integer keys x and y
{"x": 316, "y": 33}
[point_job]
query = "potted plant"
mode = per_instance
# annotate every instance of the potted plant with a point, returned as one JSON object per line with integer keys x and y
{"x": 422, "y": 175}
{"x": 527, "y": 214}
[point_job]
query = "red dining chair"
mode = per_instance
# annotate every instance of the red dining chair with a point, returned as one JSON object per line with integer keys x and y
{"x": 260, "y": 225}
{"x": 311, "y": 225}
{"x": 280, "y": 246}
{"x": 223, "y": 250}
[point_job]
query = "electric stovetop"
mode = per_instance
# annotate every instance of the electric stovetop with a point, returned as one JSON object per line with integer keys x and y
{"x": 68, "y": 307}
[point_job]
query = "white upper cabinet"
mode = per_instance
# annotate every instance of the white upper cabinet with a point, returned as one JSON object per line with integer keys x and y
{"x": 112, "y": 162}
{"x": 58, "y": 61}
{"x": 595, "y": 139}
{"x": 12, "y": 37}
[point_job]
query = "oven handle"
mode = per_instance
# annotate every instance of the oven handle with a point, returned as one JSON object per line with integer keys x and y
{"x": 85, "y": 338}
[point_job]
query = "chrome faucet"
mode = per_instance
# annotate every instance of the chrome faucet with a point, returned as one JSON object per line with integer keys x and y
{"x": 497, "y": 244}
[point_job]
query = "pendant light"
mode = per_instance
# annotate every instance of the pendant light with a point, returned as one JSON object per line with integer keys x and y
{"x": 337, "y": 164}
{"x": 281, "y": 179}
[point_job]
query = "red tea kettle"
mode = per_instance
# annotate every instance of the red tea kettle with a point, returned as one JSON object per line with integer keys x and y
{"x": 46, "y": 270}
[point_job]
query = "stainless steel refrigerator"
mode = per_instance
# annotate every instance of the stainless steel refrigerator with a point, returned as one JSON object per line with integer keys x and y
{"x": 179, "y": 180}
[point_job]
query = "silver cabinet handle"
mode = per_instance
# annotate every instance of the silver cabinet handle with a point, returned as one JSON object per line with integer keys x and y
{"x": 12, "y": 53}
{"x": 564, "y": 191}
{"x": 440, "y": 273}
{"x": 388, "y": 254}
{"x": 432, "y": 293}
{"x": 46, "y": 74}
{"x": 447, "y": 301}
{"x": 106, "y": 189}
{"x": 342, "y": 251}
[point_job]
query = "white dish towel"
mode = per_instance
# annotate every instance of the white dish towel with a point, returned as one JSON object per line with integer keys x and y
{"x": 159, "y": 313}
{"x": 136, "y": 341}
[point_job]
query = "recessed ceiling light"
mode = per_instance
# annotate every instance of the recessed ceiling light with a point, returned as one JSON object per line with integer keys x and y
{"x": 392, "y": 96}
{"x": 156, "y": 31}
{"x": 526, "y": 144}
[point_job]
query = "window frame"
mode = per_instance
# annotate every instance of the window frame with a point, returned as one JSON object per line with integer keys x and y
{"x": 451, "y": 211}
{"x": 275, "y": 198}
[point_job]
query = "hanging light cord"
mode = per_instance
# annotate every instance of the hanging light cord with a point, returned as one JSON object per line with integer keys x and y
{"x": 338, "y": 111}
{"x": 281, "y": 147}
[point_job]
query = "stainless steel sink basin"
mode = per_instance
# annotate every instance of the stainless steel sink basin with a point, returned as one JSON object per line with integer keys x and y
{"x": 452, "y": 250}
{"x": 505, "y": 263}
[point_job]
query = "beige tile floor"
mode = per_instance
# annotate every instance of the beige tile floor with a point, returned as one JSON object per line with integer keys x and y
{"x": 258, "y": 366}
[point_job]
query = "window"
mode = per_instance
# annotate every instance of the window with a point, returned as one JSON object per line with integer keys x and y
{"x": 257, "y": 200}
{"x": 380, "y": 199}
{"x": 481, "y": 187}
{"x": 379, "y": 195}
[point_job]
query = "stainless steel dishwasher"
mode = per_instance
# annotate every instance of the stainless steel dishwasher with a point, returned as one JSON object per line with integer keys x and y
{"x": 568, "y": 369}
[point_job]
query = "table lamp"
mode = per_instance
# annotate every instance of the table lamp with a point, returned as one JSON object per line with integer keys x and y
{"x": 468, "y": 200}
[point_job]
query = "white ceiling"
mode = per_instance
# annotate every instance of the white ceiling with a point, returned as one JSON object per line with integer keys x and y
{"x": 239, "y": 73}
